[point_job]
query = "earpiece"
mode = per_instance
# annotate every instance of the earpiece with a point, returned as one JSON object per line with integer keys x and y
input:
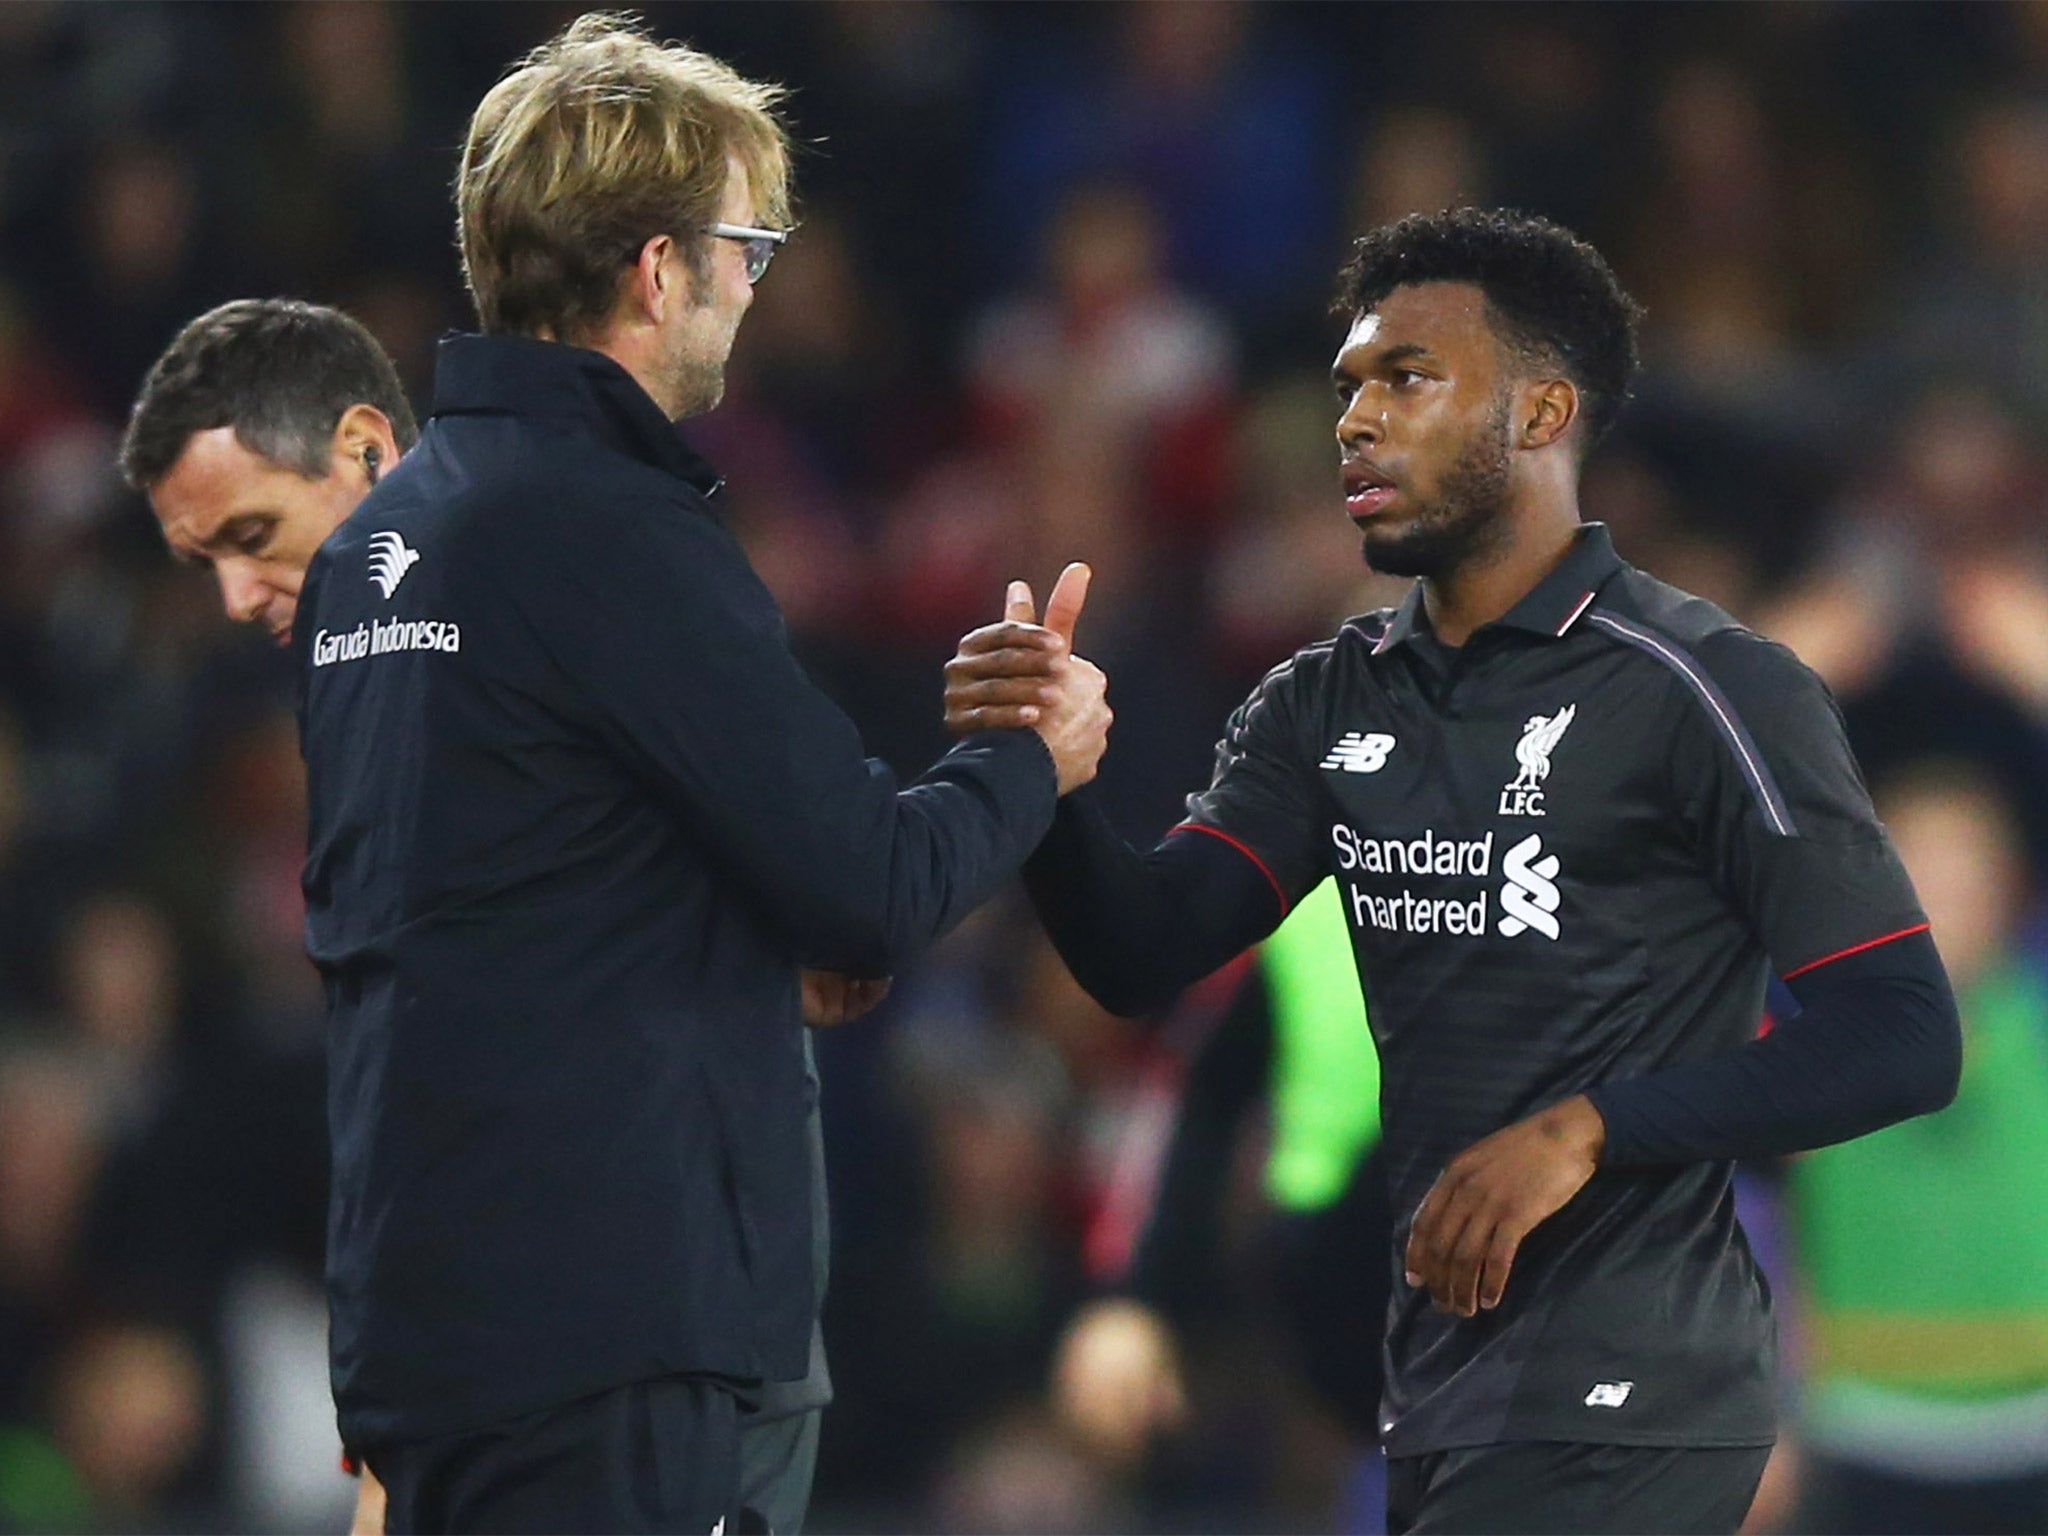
{"x": 372, "y": 461}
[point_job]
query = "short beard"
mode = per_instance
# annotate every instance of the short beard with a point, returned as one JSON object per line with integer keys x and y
{"x": 698, "y": 387}
{"x": 1464, "y": 523}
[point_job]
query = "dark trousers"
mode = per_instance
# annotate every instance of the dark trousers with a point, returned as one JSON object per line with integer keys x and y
{"x": 778, "y": 1460}
{"x": 1532, "y": 1487}
{"x": 656, "y": 1456}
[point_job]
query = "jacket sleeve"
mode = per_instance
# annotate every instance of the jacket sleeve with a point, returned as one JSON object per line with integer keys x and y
{"x": 671, "y": 644}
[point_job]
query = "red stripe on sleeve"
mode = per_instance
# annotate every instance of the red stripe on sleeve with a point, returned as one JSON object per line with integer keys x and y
{"x": 1279, "y": 894}
{"x": 1855, "y": 949}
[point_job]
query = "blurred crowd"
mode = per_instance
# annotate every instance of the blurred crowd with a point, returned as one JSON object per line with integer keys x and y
{"x": 1060, "y": 291}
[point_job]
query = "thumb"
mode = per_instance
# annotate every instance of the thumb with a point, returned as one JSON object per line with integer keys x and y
{"x": 1018, "y": 605}
{"x": 1063, "y": 608}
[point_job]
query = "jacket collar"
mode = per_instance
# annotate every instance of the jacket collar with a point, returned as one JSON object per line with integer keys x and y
{"x": 1550, "y": 608}
{"x": 521, "y": 376}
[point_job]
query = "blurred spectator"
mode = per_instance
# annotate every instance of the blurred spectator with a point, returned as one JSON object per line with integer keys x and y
{"x": 255, "y": 814}
{"x": 141, "y": 270}
{"x": 24, "y": 887}
{"x": 1291, "y": 1040}
{"x": 118, "y": 994}
{"x": 52, "y": 1142}
{"x": 1289, "y": 568}
{"x": 1020, "y": 1476}
{"x": 1657, "y": 525}
{"x": 39, "y": 399}
{"x": 1107, "y": 394}
{"x": 1215, "y": 111}
{"x": 130, "y": 1415}
{"x": 1416, "y": 160}
{"x": 1928, "y": 615}
{"x": 895, "y": 91}
{"x": 800, "y": 414}
{"x": 1924, "y": 1249}
{"x": 1542, "y": 87}
{"x": 944, "y": 1320}
{"x": 1974, "y": 304}
{"x": 345, "y": 158}
{"x": 1712, "y": 256}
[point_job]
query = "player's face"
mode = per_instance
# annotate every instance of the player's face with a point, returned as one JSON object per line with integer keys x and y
{"x": 702, "y": 334}
{"x": 255, "y": 523}
{"x": 1424, "y": 439}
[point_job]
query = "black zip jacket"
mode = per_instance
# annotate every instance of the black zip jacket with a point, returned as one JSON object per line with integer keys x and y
{"x": 577, "y": 819}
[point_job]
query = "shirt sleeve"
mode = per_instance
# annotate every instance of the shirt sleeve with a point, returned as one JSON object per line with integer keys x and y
{"x": 1136, "y": 928}
{"x": 1773, "y": 795}
{"x": 675, "y": 653}
{"x": 1876, "y": 1041}
{"x": 1782, "y": 820}
{"x": 1263, "y": 797}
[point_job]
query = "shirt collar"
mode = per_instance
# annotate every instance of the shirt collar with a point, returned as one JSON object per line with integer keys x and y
{"x": 523, "y": 376}
{"x": 1560, "y": 600}
{"x": 1550, "y": 608}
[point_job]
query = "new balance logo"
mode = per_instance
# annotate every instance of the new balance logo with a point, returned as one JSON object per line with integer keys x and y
{"x": 1530, "y": 896}
{"x": 1360, "y": 752}
{"x": 389, "y": 561}
{"x": 1609, "y": 1394}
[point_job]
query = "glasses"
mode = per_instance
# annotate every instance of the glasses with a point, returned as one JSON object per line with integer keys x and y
{"x": 758, "y": 245}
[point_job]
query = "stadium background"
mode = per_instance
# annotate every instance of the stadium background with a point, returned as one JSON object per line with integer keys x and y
{"x": 1060, "y": 291}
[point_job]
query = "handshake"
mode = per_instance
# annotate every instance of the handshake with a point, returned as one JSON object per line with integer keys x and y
{"x": 1023, "y": 675}
{"x": 1016, "y": 675}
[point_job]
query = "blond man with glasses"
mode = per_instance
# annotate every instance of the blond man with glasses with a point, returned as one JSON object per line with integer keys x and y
{"x": 578, "y": 826}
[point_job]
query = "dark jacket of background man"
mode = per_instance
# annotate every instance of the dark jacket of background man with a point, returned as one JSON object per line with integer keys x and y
{"x": 577, "y": 817}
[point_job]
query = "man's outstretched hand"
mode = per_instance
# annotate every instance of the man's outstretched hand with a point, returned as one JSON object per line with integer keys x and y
{"x": 830, "y": 998}
{"x": 1021, "y": 674}
{"x": 1470, "y": 1225}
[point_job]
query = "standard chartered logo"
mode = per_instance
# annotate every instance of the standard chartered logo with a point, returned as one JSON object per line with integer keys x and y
{"x": 1434, "y": 884}
{"x": 1530, "y": 895}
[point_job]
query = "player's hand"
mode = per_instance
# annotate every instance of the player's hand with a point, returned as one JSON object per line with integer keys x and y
{"x": 369, "y": 1516}
{"x": 1117, "y": 1379}
{"x": 1004, "y": 675}
{"x": 1022, "y": 674}
{"x": 1470, "y": 1225}
{"x": 830, "y": 998}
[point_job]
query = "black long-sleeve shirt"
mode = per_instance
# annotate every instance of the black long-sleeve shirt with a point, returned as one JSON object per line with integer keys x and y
{"x": 577, "y": 818}
{"x": 1568, "y": 850}
{"x": 1873, "y": 1042}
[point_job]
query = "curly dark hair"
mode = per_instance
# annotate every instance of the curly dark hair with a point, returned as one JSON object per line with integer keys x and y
{"x": 1553, "y": 299}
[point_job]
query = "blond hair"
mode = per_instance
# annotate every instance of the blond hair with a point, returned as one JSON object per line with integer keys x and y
{"x": 594, "y": 143}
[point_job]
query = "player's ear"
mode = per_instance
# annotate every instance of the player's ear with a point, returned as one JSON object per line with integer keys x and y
{"x": 1548, "y": 409}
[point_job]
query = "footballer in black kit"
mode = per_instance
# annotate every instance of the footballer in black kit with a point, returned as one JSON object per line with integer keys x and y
{"x": 1576, "y": 817}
